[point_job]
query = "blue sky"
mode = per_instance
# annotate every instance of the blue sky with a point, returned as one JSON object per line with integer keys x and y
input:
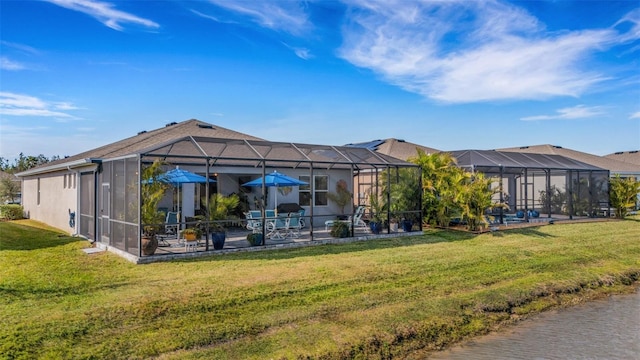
{"x": 77, "y": 74}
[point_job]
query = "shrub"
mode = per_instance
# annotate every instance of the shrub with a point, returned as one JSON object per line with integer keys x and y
{"x": 11, "y": 212}
{"x": 340, "y": 229}
{"x": 254, "y": 239}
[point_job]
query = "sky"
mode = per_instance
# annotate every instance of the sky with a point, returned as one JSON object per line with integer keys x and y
{"x": 451, "y": 75}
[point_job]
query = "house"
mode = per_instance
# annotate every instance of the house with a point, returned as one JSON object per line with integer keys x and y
{"x": 398, "y": 148}
{"x": 96, "y": 194}
{"x": 552, "y": 184}
{"x": 612, "y": 163}
{"x": 632, "y": 157}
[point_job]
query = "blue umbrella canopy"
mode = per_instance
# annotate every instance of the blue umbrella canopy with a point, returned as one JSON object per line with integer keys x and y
{"x": 276, "y": 179}
{"x": 179, "y": 176}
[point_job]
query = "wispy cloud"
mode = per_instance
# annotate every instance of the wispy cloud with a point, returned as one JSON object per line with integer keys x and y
{"x": 105, "y": 13}
{"x": 300, "y": 52}
{"x": 12, "y": 104}
{"x": 21, "y": 47}
{"x": 469, "y": 51}
{"x": 635, "y": 115}
{"x": 10, "y": 65}
{"x": 571, "y": 113}
{"x": 287, "y": 16}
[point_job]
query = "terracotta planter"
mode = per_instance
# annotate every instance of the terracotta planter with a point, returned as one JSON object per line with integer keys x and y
{"x": 149, "y": 245}
{"x": 190, "y": 237}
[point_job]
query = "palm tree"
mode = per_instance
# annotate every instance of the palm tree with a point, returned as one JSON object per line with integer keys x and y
{"x": 442, "y": 182}
{"x": 476, "y": 197}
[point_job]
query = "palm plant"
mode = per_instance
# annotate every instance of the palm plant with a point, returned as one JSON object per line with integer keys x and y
{"x": 152, "y": 192}
{"x": 442, "y": 183}
{"x": 623, "y": 194}
{"x": 476, "y": 199}
{"x": 221, "y": 207}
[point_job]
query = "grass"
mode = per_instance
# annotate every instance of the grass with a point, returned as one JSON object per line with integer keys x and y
{"x": 380, "y": 299}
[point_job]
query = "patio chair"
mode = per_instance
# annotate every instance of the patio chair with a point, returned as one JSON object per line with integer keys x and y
{"x": 277, "y": 227}
{"x": 254, "y": 221}
{"x": 356, "y": 220}
{"x": 170, "y": 229}
{"x": 295, "y": 224}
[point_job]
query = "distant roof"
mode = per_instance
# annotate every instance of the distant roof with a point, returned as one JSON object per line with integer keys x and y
{"x": 511, "y": 160}
{"x": 626, "y": 156}
{"x": 613, "y": 165}
{"x": 397, "y": 148}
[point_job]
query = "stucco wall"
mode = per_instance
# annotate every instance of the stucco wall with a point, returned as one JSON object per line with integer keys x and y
{"x": 58, "y": 195}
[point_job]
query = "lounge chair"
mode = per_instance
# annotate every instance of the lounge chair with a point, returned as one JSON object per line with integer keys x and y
{"x": 355, "y": 220}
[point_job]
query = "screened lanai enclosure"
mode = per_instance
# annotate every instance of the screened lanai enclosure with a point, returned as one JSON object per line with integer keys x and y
{"x": 539, "y": 186}
{"x": 225, "y": 165}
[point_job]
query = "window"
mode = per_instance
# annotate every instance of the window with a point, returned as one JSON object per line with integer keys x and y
{"x": 65, "y": 181}
{"x": 38, "y": 196}
{"x": 320, "y": 189}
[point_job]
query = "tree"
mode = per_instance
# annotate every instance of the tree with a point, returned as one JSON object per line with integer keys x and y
{"x": 24, "y": 162}
{"x": 9, "y": 189}
{"x": 623, "y": 194}
{"x": 476, "y": 199}
{"x": 342, "y": 196}
{"x": 442, "y": 183}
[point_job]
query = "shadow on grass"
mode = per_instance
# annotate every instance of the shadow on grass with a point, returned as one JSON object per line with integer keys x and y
{"x": 529, "y": 231}
{"x": 29, "y": 291}
{"x": 432, "y": 236}
{"x": 21, "y": 237}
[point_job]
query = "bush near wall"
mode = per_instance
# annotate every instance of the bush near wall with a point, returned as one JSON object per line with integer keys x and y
{"x": 11, "y": 212}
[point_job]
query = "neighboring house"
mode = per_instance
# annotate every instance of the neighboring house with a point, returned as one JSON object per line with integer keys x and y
{"x": 626, "y": 164}
{"x": 541, "y": 182}
{"x": 632, "y": 157}
{"x": 397, "y": 148}
{"x": 99, "y": 188}
{"x": 614, "y": 165}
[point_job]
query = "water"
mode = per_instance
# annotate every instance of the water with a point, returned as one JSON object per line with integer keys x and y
{"x": 603, "y": 329}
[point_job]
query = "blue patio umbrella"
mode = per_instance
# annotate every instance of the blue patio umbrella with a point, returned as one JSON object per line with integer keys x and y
{"x": 276, "y": 179}
{"x": 177, "y": 177}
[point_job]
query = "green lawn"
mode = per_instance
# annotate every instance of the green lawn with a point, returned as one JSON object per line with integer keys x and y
{"x": 375, "y": 299}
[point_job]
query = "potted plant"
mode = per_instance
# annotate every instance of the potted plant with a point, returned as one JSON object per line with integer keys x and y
{"x": 220, "y": 207}
{"x": 342, "y": 196}
{"x": 254, "y": 239}
{"x": 340, "y": 229}
{"x": 191, "y": 234}
{"x": 377, "y": 214}
{"x": 152, "y": 191}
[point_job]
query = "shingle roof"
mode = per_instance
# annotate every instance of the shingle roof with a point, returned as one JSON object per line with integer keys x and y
{"x": 518, "y": 160}
{"x": 612, "y": 165}
{"x": 147, "y": 139}
{"x": 397, "y": 148}
{"x": 626, "y": 156}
